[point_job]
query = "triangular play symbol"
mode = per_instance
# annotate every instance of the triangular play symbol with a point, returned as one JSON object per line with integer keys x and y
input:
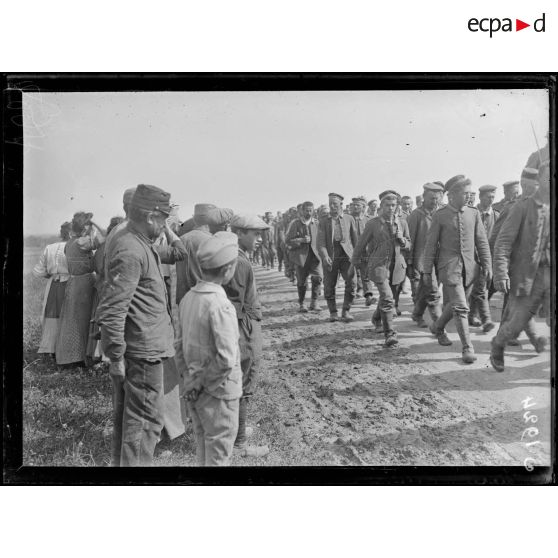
{"x": 519, "y": 25}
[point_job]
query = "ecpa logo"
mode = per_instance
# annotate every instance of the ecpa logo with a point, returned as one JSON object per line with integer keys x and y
{"x": 494, "y": 24}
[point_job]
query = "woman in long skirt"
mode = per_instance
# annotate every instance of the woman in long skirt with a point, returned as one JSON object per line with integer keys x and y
{"x": 53, "y": 266}
{"x": 71, "y": 345}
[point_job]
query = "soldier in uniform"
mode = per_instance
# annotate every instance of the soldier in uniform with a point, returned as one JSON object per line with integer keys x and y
{"x": 471, "y": 199}
{"x": 372, "y": 208}
{"x": 479, "y": 294}
{"x": 522, "y": 259}
{"x": 419, "y": 223}
{"x": 337, "y": 238}
{"x": 279, "y": 239}
{"x": 302, "y": 240}
{"x": 243, "y": 293}
{"x": 455, "y": 234}
{"x": 364, "y": 285}
{"x": 292, "y": 214}
{"x": 383, "y": 238}
{"x": 406, "y": 206}
{"x": 511, "y": 193}
{"x": 268, "y": 241}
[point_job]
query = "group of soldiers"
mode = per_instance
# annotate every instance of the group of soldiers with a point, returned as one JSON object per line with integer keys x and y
{"x": 455, "y": 253}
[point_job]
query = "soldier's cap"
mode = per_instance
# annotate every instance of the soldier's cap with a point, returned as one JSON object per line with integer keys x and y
{"x": 487, "y": 188}
{"x": 128, "y": 195}
{"x": 432, "y": 187}
{"x": 307, "y": 203}
{"x": 389, "y": 194}
{"x": 292, "y": 209}
{"x": 218, "y": 250}
{"x": 151, "y": 198}
{"x": 438, "y": 182}
{"x": 372, "y": 201}
{"x": 219, "y": 216}
{"x": 529, "y": 177}
{"x": 334, "y": 195}
{"x": 360, "y": 199}
{"x": 187, "y": 226}
{"x": 507, "y": 185}
{"x": 456, "y": 181}
{"x": 248, "y": 222}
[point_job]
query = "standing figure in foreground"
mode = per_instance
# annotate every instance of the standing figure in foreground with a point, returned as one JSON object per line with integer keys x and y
{"x": 242, "y": 292}
{"x": 419, "y": 223}
{"x": 455, "y": 234}
{"x": 53, "y": 266}
{"x": 384, "y": 237}
{"x": 301, "y": 239}
{"x": 136, "y": 328}
{"x": 208, "y": 354}
{"x": 522, "y": 258}
{"x": 71, "y": 345}
{"x": 337, "y": 238}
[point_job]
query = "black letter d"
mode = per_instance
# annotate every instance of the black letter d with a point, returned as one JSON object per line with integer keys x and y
{"x": 535, "y": 25}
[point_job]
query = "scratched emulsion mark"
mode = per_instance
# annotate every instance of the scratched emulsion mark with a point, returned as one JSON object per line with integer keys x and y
{"x": 35, "y": 114}
{"x": 530, "y": 431}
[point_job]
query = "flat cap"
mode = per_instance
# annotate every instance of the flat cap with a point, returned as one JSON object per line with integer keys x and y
{"x": 487, "y": 188}
{"x": 151, "y": 198}
{"x": 334, "y": 195}
{"x": 128, "y": 195}
{"x": 360, "y": 199}
{"x": 456, "y": 181}
{"x": 507, "y": 185}
{"x": 529, "y": 177}
{"x": 219, "y": 216}
{"x": 372, "y": 201}
{"x": 248, "y": 222}
{"x": 218, "y": 250}
{"x": 390, "y": 193}
{"x": 433, "y": 187}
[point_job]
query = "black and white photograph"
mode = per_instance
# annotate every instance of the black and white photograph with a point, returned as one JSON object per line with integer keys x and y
{"x": 314, "y": 277}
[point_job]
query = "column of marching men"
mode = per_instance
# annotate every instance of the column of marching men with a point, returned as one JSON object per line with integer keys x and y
{"x": 109, "y": 292}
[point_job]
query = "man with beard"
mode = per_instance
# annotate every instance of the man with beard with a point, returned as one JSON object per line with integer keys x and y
{"x": 301, "y": 239}
{"x": 136, "y": 328}
{"x": 337, "y": 238}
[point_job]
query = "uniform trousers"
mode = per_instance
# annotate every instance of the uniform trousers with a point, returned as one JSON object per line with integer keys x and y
{"x": 479, "y": 298}
{"x": 426, "y": 296}
{"x": 340, "y": 265}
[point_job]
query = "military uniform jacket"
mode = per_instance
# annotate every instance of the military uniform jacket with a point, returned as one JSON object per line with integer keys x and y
{"x": 242, "y": 291}
{"x": 325, "y": 236}
{"x": 521, "y": 243}
{"x": 419, "y": 222}
{"x": 385, "y": 260}
{"x": 488, "y": 219}
{"x": 498, "y": 225}
{"x": 454, "y": 236}
{"x": 300, "y": 252}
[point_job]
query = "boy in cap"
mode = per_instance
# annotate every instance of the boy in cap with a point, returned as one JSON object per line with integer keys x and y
{"x": 136, "y": 327}
{"x": 522, "y": 260}
{"x": 207, "y": 352}
{"x": 479, "y": 294}
{"x": 456, "y": 234}
{"x": 337, "y": 238}
{"x": 301, "y": 240}
{"x": 188, "y": 271}
{"x": 242, "y": 292}
{"x": 384, "y": 237}
{"x": 419, "y": 223}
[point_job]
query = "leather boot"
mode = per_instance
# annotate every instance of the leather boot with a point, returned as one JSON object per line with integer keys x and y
{"x": 389, "y": 332}
{"x": 301, "y": 297}
{"x": 497, "y": 356}
{"x": 462, "y": 327}
{"x": 315, "y": 294}
{"x": 240, "y": 444}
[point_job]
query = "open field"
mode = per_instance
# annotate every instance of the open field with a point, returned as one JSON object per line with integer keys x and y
{"x": 329, "y": 394}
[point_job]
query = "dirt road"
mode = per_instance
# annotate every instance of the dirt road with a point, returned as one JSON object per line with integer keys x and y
{"x": 331, "y": 394}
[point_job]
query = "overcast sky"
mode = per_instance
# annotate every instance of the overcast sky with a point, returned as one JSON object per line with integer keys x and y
{"x": 258, "y": 151}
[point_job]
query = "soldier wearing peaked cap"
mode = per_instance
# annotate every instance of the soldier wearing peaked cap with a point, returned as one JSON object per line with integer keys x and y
{"x": 419, "y": 222}
{"x": 136, "y": 328}
{"x": 455, "y": 236}
{"x": 511, "y": 193}
{"x": 364, "y": 285}
{"x": 242, "y": 292}
{"x": 207, "y": 326}
{"x": 372, "y": 208}
{"x": 384, "y": 237}
{"x": 337, "y": 238}
{"x": 188, "y": 271}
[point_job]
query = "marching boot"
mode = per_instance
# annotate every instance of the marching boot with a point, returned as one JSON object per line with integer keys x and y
{"x": 301, "y": 296}
{"x": 314, "y": 306}
{"x": 539, "y": 342}
{"x": 389, "y": 332}
{"x": 462, "y": 328}
{"x": 241, "y": 445}
{"x": 497, "y": 356}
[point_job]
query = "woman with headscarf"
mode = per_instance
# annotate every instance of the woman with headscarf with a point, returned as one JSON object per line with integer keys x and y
{"x": 93, "y": 353}
{"x": 71, "y": 345}
{"x": 52, "y": 265}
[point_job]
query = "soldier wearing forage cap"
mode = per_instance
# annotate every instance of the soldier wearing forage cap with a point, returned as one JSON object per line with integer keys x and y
{"x": 188, "y": 271}
{"x": 301, "y": 239}
{"x": 136, "y": 327}
{"x": 511, "y": 193}
{"x": 372, "y": 208}
{"x": 406, "y": 206}
{"x": 364, "y": 285}
{"x": 522, "y": 260}
{"x": 419, "y": 222}
{"x": 479, "y": 294}
{"x": 279, "y": 238}
{"x": 268, "y": 241}
{"x": 208, "y": 354}
{"x": 384, "y": 237}
{"x": 337, "y": 238}
{"x": 456, "y": 234}
{"x": 242, "y": 292}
